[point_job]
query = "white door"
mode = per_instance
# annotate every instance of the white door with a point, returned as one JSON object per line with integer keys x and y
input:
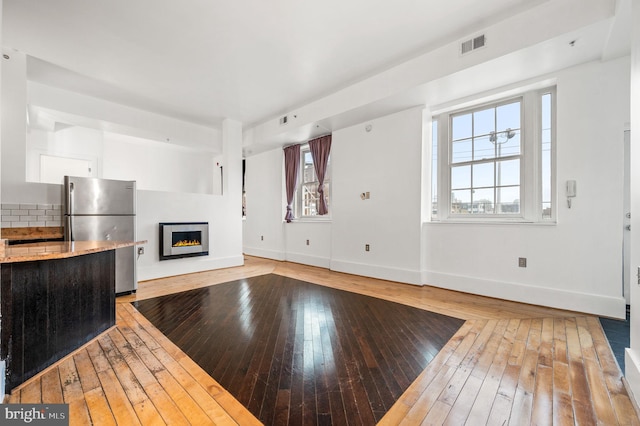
{"x": 626, "y": 232}
{"x": 53, "y": 169}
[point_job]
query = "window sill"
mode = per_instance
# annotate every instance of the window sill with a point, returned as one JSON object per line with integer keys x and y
{"x": 311, "y": 220}
{"x": 492, "y": 222}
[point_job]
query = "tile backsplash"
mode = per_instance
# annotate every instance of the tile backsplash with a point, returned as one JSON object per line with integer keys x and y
{"x": 30, "y": 215}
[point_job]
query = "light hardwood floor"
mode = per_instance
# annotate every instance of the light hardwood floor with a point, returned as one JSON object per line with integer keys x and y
{"x": 510, "y": 363}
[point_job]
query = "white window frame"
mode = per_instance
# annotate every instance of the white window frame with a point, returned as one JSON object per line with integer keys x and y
{"x": 299, "y": 190}
{"x": 531, "y": 210}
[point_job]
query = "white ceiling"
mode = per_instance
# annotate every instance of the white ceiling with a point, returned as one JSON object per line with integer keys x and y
{"x": 248, "y": 60}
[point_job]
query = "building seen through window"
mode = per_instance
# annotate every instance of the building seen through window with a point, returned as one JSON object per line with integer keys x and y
{"x": 307, "y": 200}
{"x": 495, "y": 160}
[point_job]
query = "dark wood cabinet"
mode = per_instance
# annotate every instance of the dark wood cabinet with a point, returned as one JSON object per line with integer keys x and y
{"x": 52, "y": 307}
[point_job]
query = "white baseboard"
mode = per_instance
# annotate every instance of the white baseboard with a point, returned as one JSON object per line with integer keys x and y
{"x": 174, "y": 267}
{"x": 267, "y": 254}
{"x": 632, "y": 374}
{"x": 614, "y": 307}
{"x": 374, "y": 271}
{"x": 305, "y": 259}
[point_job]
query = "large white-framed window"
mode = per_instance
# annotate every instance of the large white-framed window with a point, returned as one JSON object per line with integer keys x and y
{"x": 307, "y": 191}
{"x": 496, "y": 161}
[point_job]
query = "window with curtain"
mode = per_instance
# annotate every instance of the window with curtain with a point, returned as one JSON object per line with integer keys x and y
{"x": 308, "y": 196}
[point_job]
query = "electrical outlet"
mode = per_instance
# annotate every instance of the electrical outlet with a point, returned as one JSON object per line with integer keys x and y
{"x": 261, "y": 237}
{"x": 366, "y": 247}
{"x": 140, "y": 250}
{"x": 307, "y": 242}
{"x": 522, "y": 262}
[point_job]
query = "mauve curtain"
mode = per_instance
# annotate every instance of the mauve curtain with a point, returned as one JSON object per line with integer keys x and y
{"x": 291, "y": 166}
{"x": 320, "y": 149}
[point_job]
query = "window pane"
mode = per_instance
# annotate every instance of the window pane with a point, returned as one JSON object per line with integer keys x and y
{"x": 483, "y": 148}
{"x": 508, "y": 172}
{"x": 482, "y": 201}
{"x": 509, "y": 143}
{"x": 461, "y": 127}
{"x": 327, "y": 193}
{"x": 508, "y": 116}
{"x": 434, "y": 167}
{"x": 546, "y": 111}
{"x": 309, "y": 199}
{"x": 483, "y": 175}
{"x": 546, "y": 181}
{"x": 508, "y": 200}
{"x": 461, "y": 177}
{"x": 461, "y": 151}
{"x": 484, "y": 122}
{"x": 308, "y": 172}
{"x": 461, "y": 201}
{"x": 546, "y": 155}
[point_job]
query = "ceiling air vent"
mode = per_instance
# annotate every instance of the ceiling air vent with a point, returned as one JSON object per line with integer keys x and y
{"x": 472, "y": 44}
{"x": 284, "y": 120}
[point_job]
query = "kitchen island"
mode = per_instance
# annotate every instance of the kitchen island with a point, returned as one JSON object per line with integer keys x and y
{"x": 55, "y": 297}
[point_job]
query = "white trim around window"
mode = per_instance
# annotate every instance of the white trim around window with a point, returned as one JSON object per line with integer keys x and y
{"x": 492, "y": 151}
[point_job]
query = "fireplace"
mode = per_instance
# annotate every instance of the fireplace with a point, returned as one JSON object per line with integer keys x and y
{"x": 183, "y": 239}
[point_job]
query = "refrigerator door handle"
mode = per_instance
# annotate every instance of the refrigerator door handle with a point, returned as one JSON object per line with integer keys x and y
{"x": 68, "y": 228}
{"x": 70, "y": 198}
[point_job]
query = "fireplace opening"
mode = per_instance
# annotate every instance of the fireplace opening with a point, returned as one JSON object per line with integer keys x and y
{"x": 183, "y": 239}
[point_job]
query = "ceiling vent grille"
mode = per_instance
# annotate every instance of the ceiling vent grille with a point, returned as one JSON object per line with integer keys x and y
{"x": 472, "y": 44}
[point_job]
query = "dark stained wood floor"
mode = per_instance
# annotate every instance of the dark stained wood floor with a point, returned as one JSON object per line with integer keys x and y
{"x": 298, "y": 353}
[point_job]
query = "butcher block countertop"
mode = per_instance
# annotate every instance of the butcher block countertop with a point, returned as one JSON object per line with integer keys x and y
{"x": 33, "y": 233}
{"x": 57, "y": 249}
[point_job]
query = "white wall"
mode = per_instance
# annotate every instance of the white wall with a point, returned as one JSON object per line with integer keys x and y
{"x": 265, "y": 232}
{"x": 360, "y": 161}
{"x": 317, "y": 252}
{"x": 632, "y": 355}
{"x": 263, "y": 227}
{"x": 15, "y": 189}
{"x": 178, "y": 170}
{"x": 574, "y": 264}
{"x": 386, "y": 162}
{"x": 157, "y": 206}
{"x": 157, "y": 166}
{"x": 72, "y": 142}
{"x": 126, "y": 155}
{"x": 229, "y": 218}
{"x": 577, "y": 263}
{"x": 88, "y": 111}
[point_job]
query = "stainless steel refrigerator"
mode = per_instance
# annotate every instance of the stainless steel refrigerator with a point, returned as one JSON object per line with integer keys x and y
{"x": 103, "y": 210}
